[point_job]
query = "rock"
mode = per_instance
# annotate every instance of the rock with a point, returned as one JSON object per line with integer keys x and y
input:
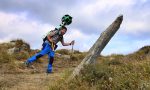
{"x": 23, "y": 47}
{"x": 11, "y": 50}
{"x": 98, "y": 46}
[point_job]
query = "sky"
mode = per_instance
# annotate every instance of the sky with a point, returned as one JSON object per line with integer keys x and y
{"x": 31, "y": 19}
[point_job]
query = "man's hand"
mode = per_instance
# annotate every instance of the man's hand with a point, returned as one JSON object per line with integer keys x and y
{"x": 67, "y": 44}
{"x": 72, "y": 42}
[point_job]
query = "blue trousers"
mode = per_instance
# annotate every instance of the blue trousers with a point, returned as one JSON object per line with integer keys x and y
{"x": 45, "y": 50}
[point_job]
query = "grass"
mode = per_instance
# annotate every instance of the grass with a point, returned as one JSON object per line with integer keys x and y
{"x": 11, "y": 62}
{"x": 114, "y": 72}
{"x": 63, "y": 52}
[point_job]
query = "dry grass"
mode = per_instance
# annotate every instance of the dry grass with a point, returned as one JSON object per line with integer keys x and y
{"x": 114, "y": 72}
{"x": 12, "y": 62}
{"x": 15, "y": 76}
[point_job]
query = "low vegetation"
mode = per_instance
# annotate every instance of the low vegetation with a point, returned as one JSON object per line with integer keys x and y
{"x": 113, "y": 72}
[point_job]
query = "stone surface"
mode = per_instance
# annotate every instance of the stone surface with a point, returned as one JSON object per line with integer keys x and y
{"x": 98, "y": 46}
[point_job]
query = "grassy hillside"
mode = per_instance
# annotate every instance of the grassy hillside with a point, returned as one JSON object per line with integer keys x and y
{"x": 11, "y": 54}
{"x": 14, "y": 75}
{"x": 114, "y": 72}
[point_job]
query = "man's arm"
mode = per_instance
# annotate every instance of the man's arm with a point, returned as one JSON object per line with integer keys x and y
{"x": 67, "y": 44}
{"x": 49, "y": 36}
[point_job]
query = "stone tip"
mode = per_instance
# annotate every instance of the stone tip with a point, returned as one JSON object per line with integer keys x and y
{"x": 120, "y": 16}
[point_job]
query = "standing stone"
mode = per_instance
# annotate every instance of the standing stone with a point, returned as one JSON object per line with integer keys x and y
{"x": 98, "y": 46}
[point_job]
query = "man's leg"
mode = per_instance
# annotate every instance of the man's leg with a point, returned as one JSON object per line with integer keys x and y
{"x": 51, "y": 59}
{"x": 46, "y": 49}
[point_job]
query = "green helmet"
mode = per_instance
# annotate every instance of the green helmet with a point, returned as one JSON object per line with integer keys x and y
{"x": 66, "y": 20}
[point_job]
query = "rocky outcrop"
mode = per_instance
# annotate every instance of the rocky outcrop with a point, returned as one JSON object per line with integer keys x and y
{"x": 18, "y": 46}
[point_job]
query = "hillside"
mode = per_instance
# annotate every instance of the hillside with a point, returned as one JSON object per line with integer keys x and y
{"x": 109, "y": 72}
{"x": 14, "y": 75}
{"x": 114, "y": 72}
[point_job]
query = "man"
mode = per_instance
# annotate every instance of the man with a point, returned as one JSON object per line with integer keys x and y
{"x": 49, "y": 47}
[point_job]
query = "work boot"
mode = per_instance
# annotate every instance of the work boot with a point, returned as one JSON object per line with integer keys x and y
{"x": 49, "y": 72}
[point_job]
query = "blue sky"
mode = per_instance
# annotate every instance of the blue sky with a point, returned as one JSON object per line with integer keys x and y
{"x": 31, "y": 19}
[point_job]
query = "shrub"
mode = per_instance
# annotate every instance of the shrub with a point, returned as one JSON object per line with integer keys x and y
{"x": 20, "y": 55}
{"x": 19, "y": 43}
{"x": 94, "y": 74}
{"x": 77, "y": 52}
{"x": 5, "y": 57}
{"x": 63, "y": 52}
{"x": 115, "y": 62}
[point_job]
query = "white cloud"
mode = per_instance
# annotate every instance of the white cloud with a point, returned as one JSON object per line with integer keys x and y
{"x": 19, "y": 24}
{"x": 104, "y": 5}
{"x": 15, "y": 26}
{"x": 135, "y": 27}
